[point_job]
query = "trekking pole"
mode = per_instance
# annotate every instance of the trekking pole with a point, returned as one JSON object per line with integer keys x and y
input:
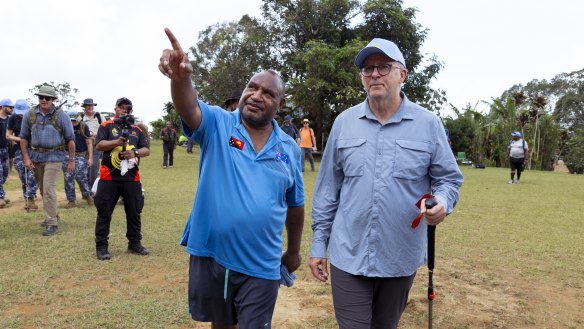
{"x": 26, "y": 189}
{"x": 430, "y": 203}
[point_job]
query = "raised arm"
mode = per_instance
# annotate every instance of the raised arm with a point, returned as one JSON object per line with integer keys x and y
{"x": 174, "y": 63}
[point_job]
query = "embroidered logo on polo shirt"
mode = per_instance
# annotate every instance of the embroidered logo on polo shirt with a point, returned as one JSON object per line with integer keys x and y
{"x": 234, "y": 142}
{"x": 282, "y": 157}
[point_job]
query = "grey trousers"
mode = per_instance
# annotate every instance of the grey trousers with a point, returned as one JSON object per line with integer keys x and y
{"x": 362, "y": 302}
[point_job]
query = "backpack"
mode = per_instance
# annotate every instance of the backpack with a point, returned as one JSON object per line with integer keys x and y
{"x": 96, "y": 115}
{"x": 54, "y": 122}
{"x": 82, "y": 129}
{"x": 54, "y": 119}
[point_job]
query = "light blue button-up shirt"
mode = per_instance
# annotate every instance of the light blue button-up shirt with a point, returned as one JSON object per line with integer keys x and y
{"x": 371, "y": 177}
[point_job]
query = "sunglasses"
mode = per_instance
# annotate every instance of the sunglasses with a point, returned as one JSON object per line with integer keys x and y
{"x": 45, "y": 98}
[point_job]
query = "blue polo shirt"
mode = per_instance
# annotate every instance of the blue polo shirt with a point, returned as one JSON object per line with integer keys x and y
{"x": 242, "y": 196}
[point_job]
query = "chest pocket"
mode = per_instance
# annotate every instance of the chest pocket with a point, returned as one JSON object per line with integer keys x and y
{"x": 412, "y": 159}
{"x": 351, "y": 154}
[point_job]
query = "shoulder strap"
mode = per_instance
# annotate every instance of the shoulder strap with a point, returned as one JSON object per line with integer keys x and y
{"x": 96, "y": 114}
{"x": 82, "y": 129}
{"x": 55, "y": 120}
{"x": 31, "y": 117}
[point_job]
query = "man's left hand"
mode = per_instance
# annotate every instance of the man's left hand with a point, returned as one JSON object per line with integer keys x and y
{"x": 292, "y": 261}
{"x": 435, "y": 215}
{"x": 128, "y": 154}
{"x": 70, "y": 166}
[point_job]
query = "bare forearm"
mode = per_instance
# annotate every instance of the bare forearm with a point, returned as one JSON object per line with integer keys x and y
{"x": 23, "y": 147}
{"x": 71, "y": 149}
{"x": 144, "y": 152}
{"x": 11, "y": 137}
{"x": 294, "y": 227}
{"x": 184, "y": 97}
{"x": 89, "y": 145}
{"x": 106, "y": 145}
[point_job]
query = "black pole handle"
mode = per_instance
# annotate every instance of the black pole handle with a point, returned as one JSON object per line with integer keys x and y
{"x": 430, "y": 203}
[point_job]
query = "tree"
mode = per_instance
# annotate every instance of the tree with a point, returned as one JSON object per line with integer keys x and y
{"x": 574, "y": 156}
{"x": 227, "y": 55}
{"x": 66, "y": 95}
{"x": 312, "y": 44}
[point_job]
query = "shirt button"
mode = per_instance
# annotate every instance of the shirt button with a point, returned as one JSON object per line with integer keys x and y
{"x": 375, "y": 201}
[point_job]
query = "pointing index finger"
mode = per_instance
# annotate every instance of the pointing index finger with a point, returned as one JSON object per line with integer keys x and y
{"x": 173, "y": 41}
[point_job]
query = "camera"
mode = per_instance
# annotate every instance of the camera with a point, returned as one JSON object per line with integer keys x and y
{"x": 125, "y": 123}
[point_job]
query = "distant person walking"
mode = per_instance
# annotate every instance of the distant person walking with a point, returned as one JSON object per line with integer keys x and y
{"x": 92, "y": 119}
{"x": 29, "y": 186}
{"x": 290, "y": 128}
{"x": 307, "y": 143}
{"x": 50, "y": 133}
{"x": 517, "y": 154}
{"x": 169, "y": 140}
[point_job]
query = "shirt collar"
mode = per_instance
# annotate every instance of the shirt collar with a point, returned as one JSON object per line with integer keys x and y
{"x": 404, "y": 112}
{"x": 38, "y": 109}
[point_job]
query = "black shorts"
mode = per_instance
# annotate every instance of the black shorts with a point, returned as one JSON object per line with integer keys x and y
{"x": 227, "y": 297}
{"x": 516, "y": 163}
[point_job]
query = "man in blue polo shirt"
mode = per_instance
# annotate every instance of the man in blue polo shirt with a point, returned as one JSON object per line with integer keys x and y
{"x": 250, "y": 186}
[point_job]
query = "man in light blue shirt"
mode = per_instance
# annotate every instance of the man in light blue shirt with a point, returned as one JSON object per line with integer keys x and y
{"x": 49, "y": 132}
{"x": 250, "y": 186}
{"x": 381, "y": 157}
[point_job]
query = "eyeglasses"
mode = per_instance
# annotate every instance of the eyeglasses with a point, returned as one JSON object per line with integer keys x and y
{"x": 45, "y": 98}
{"x": 382, "y": 69}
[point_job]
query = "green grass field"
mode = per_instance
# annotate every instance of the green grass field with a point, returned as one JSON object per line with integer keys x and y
{"x": 510, "y": 256}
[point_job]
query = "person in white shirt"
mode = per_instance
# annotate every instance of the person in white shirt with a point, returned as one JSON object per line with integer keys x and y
{"x": 517, "y": 154}
{"x": 93, "y": 120}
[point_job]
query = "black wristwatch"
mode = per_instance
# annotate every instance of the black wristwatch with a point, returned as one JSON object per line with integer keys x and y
{"x": 136, "y": 154}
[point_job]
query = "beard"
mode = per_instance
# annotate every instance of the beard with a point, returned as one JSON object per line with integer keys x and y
{"x": 255, "y": 121}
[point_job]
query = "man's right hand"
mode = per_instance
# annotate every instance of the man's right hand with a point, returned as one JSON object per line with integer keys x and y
{"x": 318, "y": 267}
{"x": 28, "y": 164}
{"x": 174, "y": 63}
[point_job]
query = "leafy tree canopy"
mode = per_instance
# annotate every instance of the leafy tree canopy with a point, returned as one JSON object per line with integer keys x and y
{"x": 313, "y": 45}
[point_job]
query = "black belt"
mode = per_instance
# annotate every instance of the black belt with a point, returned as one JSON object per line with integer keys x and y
{"x": 81, "y": 154}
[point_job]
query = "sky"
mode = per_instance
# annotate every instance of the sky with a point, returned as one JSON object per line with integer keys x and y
{"x": 109, "y": 49}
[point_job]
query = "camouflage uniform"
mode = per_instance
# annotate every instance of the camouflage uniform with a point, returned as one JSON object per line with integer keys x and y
{"x": 80, "y": 174}
{"x": 3, "y": 170}
{"x": 29, "y": 186}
